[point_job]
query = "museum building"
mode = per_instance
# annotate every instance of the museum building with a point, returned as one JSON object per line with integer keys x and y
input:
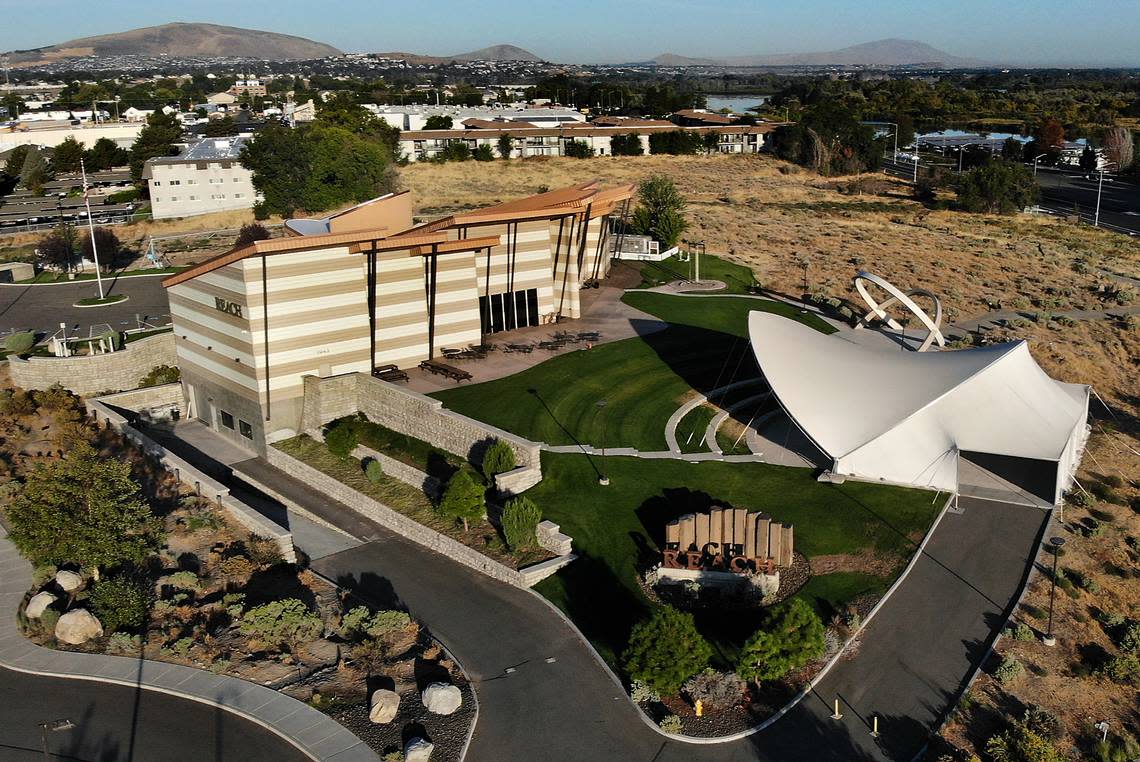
{"x": 367, "y": 288}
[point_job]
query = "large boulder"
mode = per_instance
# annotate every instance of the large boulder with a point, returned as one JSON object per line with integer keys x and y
{"x": 383, "y": 706}
{"x": 77, "y": 626}
{"x": 418, "y": 750}
{"x": 441, "y": 698}
{"x": 68, "y": 581}
{"x": 38, "y": 604}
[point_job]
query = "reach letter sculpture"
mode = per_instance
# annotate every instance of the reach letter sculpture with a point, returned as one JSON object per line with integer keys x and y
{"x": 879, "y": 311}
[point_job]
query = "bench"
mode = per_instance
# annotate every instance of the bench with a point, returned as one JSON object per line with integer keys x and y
{"x": 524, "y": 348}
{"x": 389, "y": 373}
{"x": 443, "y": 369}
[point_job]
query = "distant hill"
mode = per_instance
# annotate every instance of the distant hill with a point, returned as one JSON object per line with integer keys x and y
{"x": 182, "y": 39}
{"x": 497, "y": 53}
{"x": 890, "y": 52}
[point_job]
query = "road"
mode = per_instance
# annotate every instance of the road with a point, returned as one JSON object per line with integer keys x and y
{"x": 1065, "y": 188}
{"x": 43, "y": 307}
{"x": 113, "y": 722}
{"x": 543, "y": 696}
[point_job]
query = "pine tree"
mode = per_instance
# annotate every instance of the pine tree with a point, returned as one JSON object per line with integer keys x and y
{"x": 666, "y": 650}
{"x": 792, "y": 636}
{"x": 463, "y": 499}
{"x": 67, "y": 156}
{"x": 84, "y": 509}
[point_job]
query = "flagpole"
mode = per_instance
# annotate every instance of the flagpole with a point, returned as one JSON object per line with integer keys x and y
{"x": 91, "y": 229}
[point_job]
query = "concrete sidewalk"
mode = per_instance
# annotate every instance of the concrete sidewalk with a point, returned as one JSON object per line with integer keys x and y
{"x": 301, "y": 731}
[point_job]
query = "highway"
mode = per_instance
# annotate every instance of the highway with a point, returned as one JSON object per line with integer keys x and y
{"x": 1067, "y": 189}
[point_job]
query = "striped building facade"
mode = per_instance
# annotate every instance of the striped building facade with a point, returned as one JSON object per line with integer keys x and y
{"x": 250, "y": 324}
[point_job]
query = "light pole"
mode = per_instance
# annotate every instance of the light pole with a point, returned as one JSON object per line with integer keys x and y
{"x": 91, "y": 229}
{"x": 699, "y": 247}
{"x": 1057, "y": 543}
{"x": 1099, "y": 186}
{"x": 896, "y": 131}
{"x": 915, "y": 167}
{"x": 602, "y": 478}
{"x": 1035, "y": 158}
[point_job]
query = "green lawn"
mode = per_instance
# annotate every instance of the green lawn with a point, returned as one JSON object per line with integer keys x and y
{"x": 737, "y": 278}
{"x": 618, "y": 528}
{"x": 404, "y": 448}
{"x": 643, "y": 380}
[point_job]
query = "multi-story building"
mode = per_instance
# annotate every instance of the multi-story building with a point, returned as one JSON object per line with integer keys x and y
{"x": 529, "y": 140}
{"x": 366, "y": 288}
{"x": 248, "y": 87}
{"x": 204, "y": 177}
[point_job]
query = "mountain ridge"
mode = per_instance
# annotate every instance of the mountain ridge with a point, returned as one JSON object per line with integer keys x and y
{"x": 184, "y": 39}
{"x": 891, "y": 51}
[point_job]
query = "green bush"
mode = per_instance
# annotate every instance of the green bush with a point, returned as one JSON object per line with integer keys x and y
{"x": 341, "y": 439}
{"x": 520, "y": 520}
{"x": 463, "y": 498}
{"x": 18, "y": 343}
{"x": 1021, "y": 744}
{"x": 1128, "y": 638}
{"x": 360, "y": 622}
{"x": 671, "y": 723}
{"x": 285, "y": 623}
{"x": 1044, "y": 723}
{"x": 484, "y": 153}
{"x": 373, "y": 470}
{"x": 123, "y": 196}
{"x": 1009, "y": 670}
{"x": 716, "y": 690}
{"x": 121, "y": 603}
{"x": 791, "y": 636}
{"x": 579, "y": 149}
{"x": 640, "y": 693}
{"x": 183, "y": 580}
{"x": 161, "y": 374}
{"x": 1021, "y": 631}
{"x": 1122, "y": 668}
{"x": 665, "y": 650}
{"x": 499, "y": 458}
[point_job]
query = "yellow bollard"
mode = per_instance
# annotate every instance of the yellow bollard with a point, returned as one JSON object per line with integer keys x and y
{"x": 700, "y": 708}
{"x": 837, "y": 715}
{"x": 875, "y": 727}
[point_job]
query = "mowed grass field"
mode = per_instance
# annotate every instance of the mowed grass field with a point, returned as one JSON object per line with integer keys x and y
{"x": 618, "y": 529}
{"x": 643, "y": 380}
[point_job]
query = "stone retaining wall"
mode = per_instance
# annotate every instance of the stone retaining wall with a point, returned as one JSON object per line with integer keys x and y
{"x": 397, "y": 469}
{"x": 407, "y": 412}
{"x": 190, "y": 476}
{"x": 90, "y": 374}
{"x": 409, "y": 528}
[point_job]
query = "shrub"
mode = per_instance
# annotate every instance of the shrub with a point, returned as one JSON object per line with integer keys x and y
{"x": 670, "y": 723}
{"x": 253, "y": 231}
{"x": 369, "y": 655}
{"x": 499, "y": 458}
{"x": 579, "y": 149}
{"x": 1021, "y": 744}
{"x": 791, "y": 637}
{"x": 1044, "y": 723}
{"x": 123, "y": 643}
{"x": 1122, "y": 668}
{"x": 121, "y": 603}
{"x": 463, "y": 499}
{"x": 520, "y": 520}
{"x": 1129, "y": 638}
{"x": 123, "y": 196}
{"x": 373, "y": 470}
{"x": 354, "y": 622}
{"x": 665, "y": 650}
{"x": 341, "y": 439}
{"x": 263, "y": 551}
{"x": 359, "y": 622}
{"x": 18, "y": 343}
{"x": 161, "y": 374}
{"x": 1009, "y": 670}
{"x": 715, "y": 690}
{"x": 183, "y": 580}
{"x": 641, "y": 693}
{"x": 284, "y": 623}
{"x": 484, "y": 153}
{"x": 1081, "y": 499}
{"x": 1021, "y": 631}
{"x": 235, "y": 567}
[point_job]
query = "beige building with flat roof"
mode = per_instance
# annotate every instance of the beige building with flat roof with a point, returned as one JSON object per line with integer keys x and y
{"x": 205, "y": 177}
{"x": 366, "y": 288}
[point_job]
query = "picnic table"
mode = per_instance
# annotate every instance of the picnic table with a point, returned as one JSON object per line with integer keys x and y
{"x": 443, "y": 369}
{"x": 524, "y": 348}
{"x": 389, "y": 373}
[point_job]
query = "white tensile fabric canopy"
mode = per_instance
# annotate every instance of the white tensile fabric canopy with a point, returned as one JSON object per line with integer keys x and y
{"x": 903, "y": 417}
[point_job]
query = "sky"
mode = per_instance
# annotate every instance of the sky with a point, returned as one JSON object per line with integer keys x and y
{"x": 1029, "y": 32}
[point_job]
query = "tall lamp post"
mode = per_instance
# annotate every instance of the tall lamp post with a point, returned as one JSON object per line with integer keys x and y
{"x": 1057, "y": 543}
{"x": 602, "y": 478}
{"x": 1099, "y": 187}
{"x": 1035, "y": 160}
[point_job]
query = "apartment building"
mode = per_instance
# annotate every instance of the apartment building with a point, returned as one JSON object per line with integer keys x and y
{"x": 365, "y": 288}
{"x": 204, "y": 177}
{"x": 529, "y": 140}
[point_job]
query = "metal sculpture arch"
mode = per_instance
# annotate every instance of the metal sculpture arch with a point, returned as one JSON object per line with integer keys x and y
{"x": 879, "y": 311}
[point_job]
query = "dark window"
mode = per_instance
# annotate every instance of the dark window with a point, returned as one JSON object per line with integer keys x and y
{"x": 532, "y": 305}
{"x": 520, "y": 308}
{"x": 227, "y": 419}
{"x": 496, "y": 313}
{"x": 245, "y": 429}
{"x": 484, "y": 315}
{"x": 509, "y": 312}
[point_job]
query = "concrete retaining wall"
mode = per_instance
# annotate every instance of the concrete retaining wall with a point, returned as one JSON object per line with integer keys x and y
{"x": 407, "y": 412}
{"x": 190, "y": 476}
{"x": 409, "y": 528}
{"x": 91, "y": 374}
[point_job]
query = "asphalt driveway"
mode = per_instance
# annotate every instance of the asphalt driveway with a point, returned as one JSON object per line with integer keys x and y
{"x": 43, "y": 307}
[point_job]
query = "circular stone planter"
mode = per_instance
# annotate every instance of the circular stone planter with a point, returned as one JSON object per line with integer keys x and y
{"x": 116, "y": 299}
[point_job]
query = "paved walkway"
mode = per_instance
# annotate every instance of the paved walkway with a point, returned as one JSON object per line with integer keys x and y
{"x": 543, "y": 695}
{"x": 289, "y": 728}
